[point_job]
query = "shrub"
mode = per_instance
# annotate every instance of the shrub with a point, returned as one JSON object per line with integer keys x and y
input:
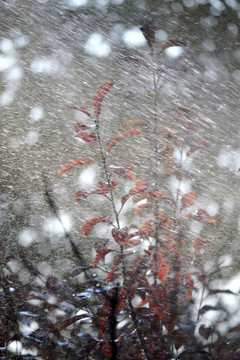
{"x": 145, "y": 302}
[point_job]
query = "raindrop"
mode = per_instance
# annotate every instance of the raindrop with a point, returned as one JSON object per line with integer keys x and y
{"x": 96, "y": 45}
{"x": 6, "y": 45}
{"x": 32, "y": 137}
{"x": 15, "y": 347}
{"x": 134, "y": 37}
{"x": 27, "y": 237}
{"x": 14, "y": 74}
{"x": 6, "y": 62}
{"x": 36, "y": 113}
{"x": 74, "y": 4}
{"x": 174, "y": 52}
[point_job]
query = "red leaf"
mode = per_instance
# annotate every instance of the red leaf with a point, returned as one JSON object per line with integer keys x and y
{"x": 165, "y": 221}
{"x": 132, "y": 123}
{"x": 99, "y": 97}
{"x": 85, "y": 111}
{"x": 198, "y": 145}
{"x": 100, "y": 255}
{"x": 141, "y": 207}
{"x": 81, "y": 195}
{"x": 204, "y": 217}
{"x": 203, "y": 143}
{"x": 149, "y": 34}
{"x": 187, "y": 216}
{"x": 118, "y": 258}
{"x": 125, "y": 198}
{"x": 120, "y": 235}
{"x": 87, "y": 227}
{"x": 157, "y": 301}
{"x": 104, "y": 187}
{"x": 161, "y": 194}
{"x": 107, "y": 348}
{"x": 139, "y": 186}
{"x": 131, "y": 175}
{"x": 88, "y": 136}
{"x": 122, "y": 136}
{"x": 80, "y": 127}
{"x": 112, "y": 275}
{"x": 188, "y": 200}
{"x": 163, "y": 268}
{"x": 103, "y": 321}
{"x": 73, "y": 320}
{"x": 147, "y": 227}
{"x": 122, "y": 172}
{"x": 73, "y": 164}
{"x": 190, "y": 285}
{"x": 200, "y": 242}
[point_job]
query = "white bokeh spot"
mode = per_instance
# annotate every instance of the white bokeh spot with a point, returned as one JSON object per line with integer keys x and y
{"x": 97, "y": 45}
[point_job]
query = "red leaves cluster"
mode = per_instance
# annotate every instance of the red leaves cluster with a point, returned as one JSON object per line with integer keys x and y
{"x": 163, "y": 268}
{"x": 188, "y": 200}
{"x": 160, "y": 275}
{"x": 85, "y": 133}
{"x": 87, "y": 136}
{"x": 200, "y": 242}
{"x": 201, "y": 216}
{"x": 139, "y": 186}
{"x": 103, "y": 189}
{"x": 123, "y": 172}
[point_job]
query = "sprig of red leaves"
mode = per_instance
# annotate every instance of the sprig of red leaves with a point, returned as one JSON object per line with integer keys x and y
{"x": 73, "y": 164}
{"x": 99, "y": 97}
{"x": 82, "y": 109}
{"x": 122, "y": 136}
{"x": 101, "y": 255}
{"x": 89, "y": 224}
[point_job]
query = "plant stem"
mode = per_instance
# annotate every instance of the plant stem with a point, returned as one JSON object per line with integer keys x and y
{"x": 103, "y": 156}
{"x": 132, "y": 312}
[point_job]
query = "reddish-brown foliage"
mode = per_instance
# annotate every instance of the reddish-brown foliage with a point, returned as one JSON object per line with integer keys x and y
{"x": 123, "y": 136}
{"x": 101, "y": 255}
{"x": 73, "y": 164}
{"x": 87, "y": 136}
{"x": 89, "y": 224}
{"x": 188, "y": 200}
{"x": 138, "y": 304}
{"x": 85, "y": 111}
{"x": 99, "y": 97}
